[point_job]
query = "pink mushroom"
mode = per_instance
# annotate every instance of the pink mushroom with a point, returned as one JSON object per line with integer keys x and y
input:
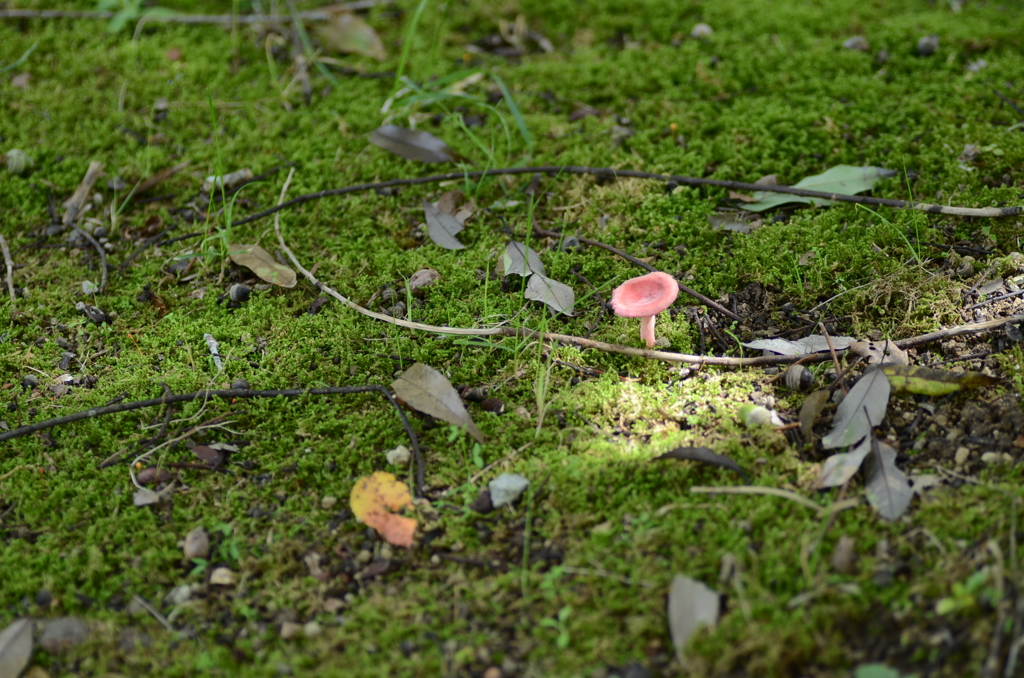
{"x": 644, "y": 298}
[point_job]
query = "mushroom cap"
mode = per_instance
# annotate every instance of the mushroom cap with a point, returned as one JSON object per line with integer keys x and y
{"x": 645, "y": 296}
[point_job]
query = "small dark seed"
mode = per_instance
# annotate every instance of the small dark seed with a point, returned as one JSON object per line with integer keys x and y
{"x": 29, "y": 381}
{"x": 239, "y": 292}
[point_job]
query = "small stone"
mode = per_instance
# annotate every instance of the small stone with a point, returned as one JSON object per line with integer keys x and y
{"x": 364, "y": 556}
{"x": 290, "y": 630}
{"x": 197, "y": 544}
{"x": 328, "y": 502}
{"x": 63, "y": 633}
{"x": 332, "y": 605}
{"x": 240, "y": 383}
{"x": 312, "y": 629}
{"x": 989, "y": 457}
{"x": 482, "y": 503}
{"x": 422, "y": 279}
{"x": 493, "y": 672}
{"x": 483, "y": 655}
{"x": 386, "y": 552}
{"x": 239, "y": 292}
{"x": 457, "y": 547}
{"x": 602, "y": 528}
{"x": 222, "y": 576}
{"x": 928, "y": 45}
{"x": 844, "y": 557}
{"x": 435, "y": 559}
{"x": 89, "y": 287}
{"x": 962, "y": 453}
{"x": 701, "y": 30}
{"x": 399, "y": 456}
{"x": 506, "y": 488}
{"x": 857, "y": 43}
{"x": 179, "y": 594}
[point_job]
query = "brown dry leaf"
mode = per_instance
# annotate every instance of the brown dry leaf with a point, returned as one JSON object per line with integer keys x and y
{"x": 349, "y": 34}
{"x": 862, "y": 409}
{"x": 425, "y": 389}
{"x": 15, "y": 647}
{"x": 262, "y": 264}
{"x": 412, "y": 144}
{"x": 733, "y": 195}
{"x": 810, "y": 410}
{"x": 372, "y": 502}
{"x": 442, "y": 227}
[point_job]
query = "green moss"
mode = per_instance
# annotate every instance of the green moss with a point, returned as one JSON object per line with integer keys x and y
{"x": 770, "y": 92}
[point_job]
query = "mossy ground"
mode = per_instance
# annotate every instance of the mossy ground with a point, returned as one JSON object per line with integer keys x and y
{"x": 771, "y": 91}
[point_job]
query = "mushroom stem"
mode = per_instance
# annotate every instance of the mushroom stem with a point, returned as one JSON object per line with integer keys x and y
{"x": 647, "y": 330}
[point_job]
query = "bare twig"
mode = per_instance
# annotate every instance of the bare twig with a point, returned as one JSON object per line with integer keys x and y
{"x": 9, "y": 263}
{"x": 634, "y": 174}
{"x": 145, "y": 604}
{"x": 99, "y": 250}
{"x": 81, "y": 194}
{"x": 970, "y": 328}
{"x": 777, "y": 492}
{"x": 226, "y": 394}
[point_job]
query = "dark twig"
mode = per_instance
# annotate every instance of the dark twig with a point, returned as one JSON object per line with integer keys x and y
{"x": 1001, "y": 297}
{"x": 1009, "y": 101}
{"x": 9, "y": 263}
{"x": 99, "y": 249}
{"x": 222, "y": 19}
{"x": 710, "y": 303}
{"x": 141, "y": 248}
{"x": 227, "y": 394}
{"x": 634, "y": 174}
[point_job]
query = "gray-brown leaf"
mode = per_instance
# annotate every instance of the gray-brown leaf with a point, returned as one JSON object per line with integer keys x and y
{"x": 412, "y": 144}
{"x": 425, "y": 389}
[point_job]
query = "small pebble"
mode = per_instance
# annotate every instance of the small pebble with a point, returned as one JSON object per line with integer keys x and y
{"x": 493, "y": 672}
{"x": 857, "y": 43}
{"x": 844, "y": 557}
{"x": 239, "y": 292}
{"x": 327, "y": 503}
{"x": 386, "y": 552}
{"x": 222, "y": 576}
{"x": 312, "y": 629}
{"x": 197, "y": 544}
{"x": 290, "y": 630}
{"x": 701, "y": 30}
{"x": 962, "y": 453}
{"x": 506, "y": 488}
{"x": 240, "y": 383}
{"x": 364, "y": 556}
{"x": 989, "y": 457}
{"x": 179, "y": 594}
{"x": 400, "y": 456}
{"x": 928, "y": 45}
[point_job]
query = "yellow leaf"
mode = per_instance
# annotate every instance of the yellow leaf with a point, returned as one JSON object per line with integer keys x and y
{"x": 374, "y": 497}
{"x": 925, "y": 381}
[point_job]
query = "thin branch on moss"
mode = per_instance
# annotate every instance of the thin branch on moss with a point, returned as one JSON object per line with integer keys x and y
{"x": 710, "y": 303}
{"x": 634, "y": 174}
{"x": 221, "y": 19}
{"x": 99, "y": 250}
{"x": 9, "y": 263}
{"x": 667, "y": 356}
{"x": 228, "y": 394}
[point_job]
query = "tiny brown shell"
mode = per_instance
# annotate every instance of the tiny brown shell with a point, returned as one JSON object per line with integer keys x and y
{"x": 798, "y": 378}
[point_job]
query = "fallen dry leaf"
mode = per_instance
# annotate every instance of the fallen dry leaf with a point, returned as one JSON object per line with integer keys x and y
{"x": 262, "y": 264}
{"x": 412, "y": 144}
{"x": 349, "y": 34}
{"x": 425, "y": 389}
{"x": 372, "y": 502}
